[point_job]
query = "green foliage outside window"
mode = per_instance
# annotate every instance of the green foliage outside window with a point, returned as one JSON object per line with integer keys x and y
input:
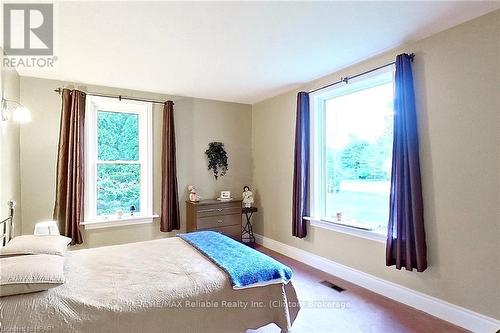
{"x": 118, "y": 184}
{"x": 118, "y": 187}
{"x": 118, "y": 138}
{"x": 360, "y": 160}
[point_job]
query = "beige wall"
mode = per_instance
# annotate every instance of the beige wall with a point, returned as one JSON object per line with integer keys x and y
{"x": 197, "y": 121}
{"x": 456, "y": 75}
{"x": 10, "y": 185}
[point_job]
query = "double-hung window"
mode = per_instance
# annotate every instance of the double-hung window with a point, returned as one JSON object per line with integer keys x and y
{"x": 351, "y": 152}
{"x": 118, "y": 160}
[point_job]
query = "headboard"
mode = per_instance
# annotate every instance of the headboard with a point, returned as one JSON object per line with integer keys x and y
{"x": 7, "y": 225}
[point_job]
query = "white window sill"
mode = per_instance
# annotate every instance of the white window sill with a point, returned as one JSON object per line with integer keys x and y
{"x": 353, "y": 231}
{"x": 115, "y": 222}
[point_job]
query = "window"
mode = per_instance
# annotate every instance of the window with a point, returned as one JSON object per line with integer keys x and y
{"x": 351, "y": 150}
{"x": 118, "y": 159}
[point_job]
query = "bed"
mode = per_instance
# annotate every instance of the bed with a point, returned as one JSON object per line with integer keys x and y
{"x": 163, "y": 285}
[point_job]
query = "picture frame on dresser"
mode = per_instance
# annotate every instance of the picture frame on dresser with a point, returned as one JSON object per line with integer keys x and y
{"x": 215, "y": 215}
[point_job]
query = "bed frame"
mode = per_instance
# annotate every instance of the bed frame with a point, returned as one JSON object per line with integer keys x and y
{"x": 7, "y": 225}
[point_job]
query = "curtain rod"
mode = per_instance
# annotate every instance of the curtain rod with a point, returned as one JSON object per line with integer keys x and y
{"x": 347, "y": 78}
{"x": 119, "y": 97}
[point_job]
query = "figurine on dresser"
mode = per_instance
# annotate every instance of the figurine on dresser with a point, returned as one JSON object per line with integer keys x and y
{"x": 247, "y": 197}
{"x": 193, "y": 194}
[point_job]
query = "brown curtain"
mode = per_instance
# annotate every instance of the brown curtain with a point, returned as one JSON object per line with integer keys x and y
{"x": 170, "y": 219}
{"x": 70, "y": 165}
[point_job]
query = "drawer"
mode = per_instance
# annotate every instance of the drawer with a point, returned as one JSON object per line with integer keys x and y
{"x": 217, "y": 221}
{"x": 233, "y": 231}
{"x": 222, "y": 209}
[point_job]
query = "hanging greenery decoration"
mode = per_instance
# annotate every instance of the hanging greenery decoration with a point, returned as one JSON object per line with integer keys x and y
{"x": 217, "y": 159}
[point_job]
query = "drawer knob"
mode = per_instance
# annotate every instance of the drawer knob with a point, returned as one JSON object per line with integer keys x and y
{"x": 220, "y": 221}
{"x": 219, "y": 209}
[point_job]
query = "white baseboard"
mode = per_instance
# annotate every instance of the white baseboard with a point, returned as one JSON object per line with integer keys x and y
{"x": 455, "y": 314}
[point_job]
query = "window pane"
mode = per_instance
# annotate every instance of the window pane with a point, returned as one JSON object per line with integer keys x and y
{"x": 117, "y": 136}
{"x": 118, "y": 187}
{"x": 359, "y": 156}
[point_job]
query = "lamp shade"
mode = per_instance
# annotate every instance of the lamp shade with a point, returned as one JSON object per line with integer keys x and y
{"x": 46, "y": 228}
{"x": 22, "y": 115}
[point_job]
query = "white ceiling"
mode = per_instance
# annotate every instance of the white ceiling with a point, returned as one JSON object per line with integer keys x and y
{"x": 233, "y": 51}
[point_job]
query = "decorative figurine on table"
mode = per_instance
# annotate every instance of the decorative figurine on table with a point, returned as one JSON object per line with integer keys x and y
{"x": 193, "y": 195}
{"x": 247, "y": 197}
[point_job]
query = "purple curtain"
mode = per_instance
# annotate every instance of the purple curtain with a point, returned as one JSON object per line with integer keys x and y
{"x": 301, "y": 167}
{"x": 405, "y": 235}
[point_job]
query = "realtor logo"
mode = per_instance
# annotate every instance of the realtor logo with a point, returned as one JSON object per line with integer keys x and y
{"x": 28, "y": 29}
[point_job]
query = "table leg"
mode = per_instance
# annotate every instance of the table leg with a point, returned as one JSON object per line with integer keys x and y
{"x": 248, "y": 228}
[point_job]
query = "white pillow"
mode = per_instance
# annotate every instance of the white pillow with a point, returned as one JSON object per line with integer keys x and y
{"x": 32, "y": 273}
{"x": 31, "y": 244}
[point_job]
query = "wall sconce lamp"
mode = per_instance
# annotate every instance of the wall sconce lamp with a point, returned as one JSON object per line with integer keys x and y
{"x": 20, "y": 114}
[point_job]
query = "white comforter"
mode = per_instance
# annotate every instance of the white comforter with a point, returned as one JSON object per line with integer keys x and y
{"x": 156, "y": 286}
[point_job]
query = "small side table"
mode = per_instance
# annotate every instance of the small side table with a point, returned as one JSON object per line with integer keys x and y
{"x": 247, "y": 228}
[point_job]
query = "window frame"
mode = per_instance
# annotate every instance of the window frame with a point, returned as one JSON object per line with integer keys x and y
{"x": 317, "y": 162}
{"x": 144, "y": 112}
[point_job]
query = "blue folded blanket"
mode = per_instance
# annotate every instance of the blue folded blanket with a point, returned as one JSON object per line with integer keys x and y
{"x": 245, "y": 266}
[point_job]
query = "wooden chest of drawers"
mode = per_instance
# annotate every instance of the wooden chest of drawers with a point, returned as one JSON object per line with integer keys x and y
{"x": 220, "y": 216}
